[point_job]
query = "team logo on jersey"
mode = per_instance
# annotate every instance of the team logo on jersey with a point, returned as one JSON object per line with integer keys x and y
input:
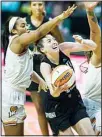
{"x": 50, "y": 115}
{"x": 13, "y": 110}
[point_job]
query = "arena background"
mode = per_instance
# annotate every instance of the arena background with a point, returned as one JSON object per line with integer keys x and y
{"x": 76, "y": 24}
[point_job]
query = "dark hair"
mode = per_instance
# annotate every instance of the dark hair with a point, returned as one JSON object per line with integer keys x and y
{"x": 88, "y": 54}
{"x": 5, "y": 36}
{"x": 39, "y": 45}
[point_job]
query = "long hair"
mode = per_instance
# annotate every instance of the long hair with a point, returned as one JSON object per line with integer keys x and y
{"x": 5, "y": 37}
{"x": 39, "y": 45}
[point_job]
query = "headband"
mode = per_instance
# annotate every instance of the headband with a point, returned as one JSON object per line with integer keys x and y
{"x": 12, "y": 23}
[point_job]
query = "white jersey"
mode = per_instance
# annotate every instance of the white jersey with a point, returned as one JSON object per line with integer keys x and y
{"x": 18, "y": 68}
{"x": 92, "y": 87}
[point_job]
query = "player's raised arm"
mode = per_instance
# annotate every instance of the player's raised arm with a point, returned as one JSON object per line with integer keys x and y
{"x": 95, "y": 32}
{"x": 80, "y": 44}
{"x": 33, "y": 36}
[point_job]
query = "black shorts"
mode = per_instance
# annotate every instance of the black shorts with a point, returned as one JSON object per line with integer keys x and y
{"x": 36, "y": 67}
{"x": 66, "y": 114}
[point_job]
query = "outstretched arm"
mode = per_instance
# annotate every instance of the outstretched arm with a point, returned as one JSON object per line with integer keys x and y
{"x": 95, "y": 31}
{"x": 33, "y": 36}
{"x": 80, "y": 45}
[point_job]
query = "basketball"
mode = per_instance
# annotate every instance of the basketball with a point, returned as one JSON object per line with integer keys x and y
{"x": 63, "y": 74}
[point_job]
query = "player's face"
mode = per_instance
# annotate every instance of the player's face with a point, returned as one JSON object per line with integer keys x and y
{"x": 37, "y": 8}
{"x": 50, "y": 45}
{"x": 21, "y": 26}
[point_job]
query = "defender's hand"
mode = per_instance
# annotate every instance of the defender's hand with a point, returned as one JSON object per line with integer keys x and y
{"x": 90, "y": 5}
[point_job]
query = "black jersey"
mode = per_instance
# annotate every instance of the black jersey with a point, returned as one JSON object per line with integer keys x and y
{"x": 31, "y": 26}
{"x": 67, "y": 109}
{"x": 63, "y": 98}
{"x": 63, "y": 60}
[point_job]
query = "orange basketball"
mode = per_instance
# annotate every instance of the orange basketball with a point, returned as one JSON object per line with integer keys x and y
{"x": 63, "y": 74}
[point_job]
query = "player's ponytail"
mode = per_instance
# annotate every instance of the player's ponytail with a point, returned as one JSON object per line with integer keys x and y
{"x": 5, "y": 37}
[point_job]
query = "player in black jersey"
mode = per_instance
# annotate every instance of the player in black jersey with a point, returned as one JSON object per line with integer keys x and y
{"x": 64, "y": 109}
{"x": 35, "y": 20}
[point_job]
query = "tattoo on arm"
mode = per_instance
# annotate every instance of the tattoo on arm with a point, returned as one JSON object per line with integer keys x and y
{"x": 91, "y": 13}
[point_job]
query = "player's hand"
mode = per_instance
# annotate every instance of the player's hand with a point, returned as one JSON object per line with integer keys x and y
{"x": 60, "y": 89}
{"x": 67, "y": 13}
{"x": 42, "y": 85}
{"x": 63, "y": 88}
{"x": 78, "y": 38}
{"x": 90, "y": 5}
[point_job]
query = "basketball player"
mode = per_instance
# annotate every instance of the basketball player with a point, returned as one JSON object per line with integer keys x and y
{"x": 64, "y": 107}
{"x": 34, "y": 21}
{"x": 92, "y": 89}
{"x": 18, "y": 71}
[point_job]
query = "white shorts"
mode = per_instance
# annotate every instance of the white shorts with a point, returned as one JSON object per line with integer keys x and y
{"x": 94, "y": 111}
{"x": 13, "y": 110}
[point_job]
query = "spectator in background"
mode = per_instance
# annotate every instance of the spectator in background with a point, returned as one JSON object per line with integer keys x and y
{"x": 66, "y": 25}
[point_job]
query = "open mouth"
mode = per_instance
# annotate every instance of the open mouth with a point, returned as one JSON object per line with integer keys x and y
{"x": 55, "y": 47}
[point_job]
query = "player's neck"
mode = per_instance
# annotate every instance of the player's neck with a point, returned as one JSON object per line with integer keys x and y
{"x": 54, "y": 60}
{"x": 37, "y": 18}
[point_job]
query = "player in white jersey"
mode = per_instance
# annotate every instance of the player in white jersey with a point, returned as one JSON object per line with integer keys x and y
{"x": 18, "y": 71}
{"x": 92, "y": 95}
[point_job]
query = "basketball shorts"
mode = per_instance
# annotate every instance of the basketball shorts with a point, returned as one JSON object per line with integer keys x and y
{"x": 93, "y": 109}
{"x": 65, "y": 114}
{"x": 13, "y": 110}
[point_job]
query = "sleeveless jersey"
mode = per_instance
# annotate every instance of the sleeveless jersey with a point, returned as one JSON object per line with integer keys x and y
{"x": 50, "y": 100}
{"x": 18, "y": 68}
{"x": 92, "y": 87}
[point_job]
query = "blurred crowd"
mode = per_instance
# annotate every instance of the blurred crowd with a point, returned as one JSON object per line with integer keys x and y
{"x": 75, "y": 24}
